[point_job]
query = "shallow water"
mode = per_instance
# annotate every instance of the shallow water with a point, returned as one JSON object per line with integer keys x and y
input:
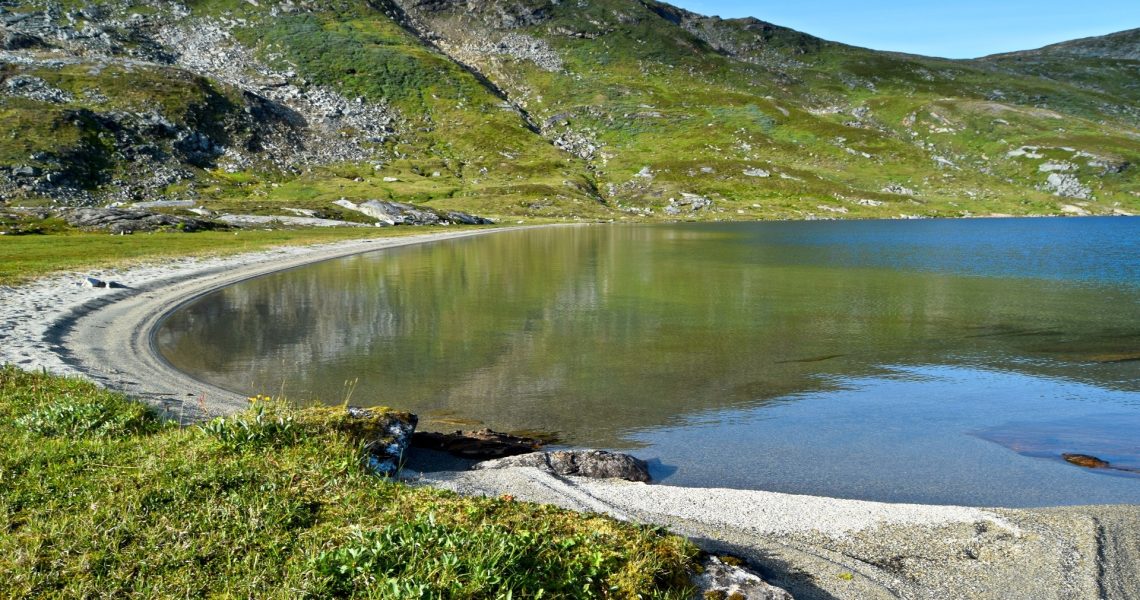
{"x": 923, "y": 361}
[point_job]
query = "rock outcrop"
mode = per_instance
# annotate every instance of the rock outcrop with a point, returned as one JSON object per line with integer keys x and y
{"x": 118, "y": 220}
{"x": 399, "y": 213}
{"x": 720, "y": 580}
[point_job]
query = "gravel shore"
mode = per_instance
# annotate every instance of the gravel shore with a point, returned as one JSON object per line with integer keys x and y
{"x": 827, "y": 548}
{"x": 817, "y": 548}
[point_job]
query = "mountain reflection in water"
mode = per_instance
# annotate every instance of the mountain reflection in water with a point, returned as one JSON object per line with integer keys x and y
{"x": 605, "y": 333}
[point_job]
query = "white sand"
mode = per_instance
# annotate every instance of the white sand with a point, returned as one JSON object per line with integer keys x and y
{"x": 59, "y": 325}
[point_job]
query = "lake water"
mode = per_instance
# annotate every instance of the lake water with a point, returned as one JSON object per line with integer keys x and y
{"x": 923, "y": 361}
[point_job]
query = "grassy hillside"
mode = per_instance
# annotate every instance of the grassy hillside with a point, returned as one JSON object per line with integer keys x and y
{"x": 598, "y": 109}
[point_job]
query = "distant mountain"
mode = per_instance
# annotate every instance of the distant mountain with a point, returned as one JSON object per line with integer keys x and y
{"x": 612, "y": 109}
{"x": 1123, "y": 45}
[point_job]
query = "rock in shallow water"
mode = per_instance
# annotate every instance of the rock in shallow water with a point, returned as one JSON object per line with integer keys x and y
{"x": 480, "y": 445}
{"x": 597, "y": 464}
{"x": 1084, "y": 460}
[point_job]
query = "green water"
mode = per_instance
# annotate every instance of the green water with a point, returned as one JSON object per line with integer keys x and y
{"x": 839, "y": 358}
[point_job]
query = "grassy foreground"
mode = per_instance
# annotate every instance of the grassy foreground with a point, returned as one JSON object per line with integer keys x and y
{"x": 99, "y": 498}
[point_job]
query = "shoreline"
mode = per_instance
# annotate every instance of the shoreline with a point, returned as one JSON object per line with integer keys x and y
{"x": 104, "y": 334}
{"x": 816, "y": 547}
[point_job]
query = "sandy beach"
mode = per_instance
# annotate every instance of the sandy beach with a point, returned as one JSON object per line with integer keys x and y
{"x": 817, "y": 548}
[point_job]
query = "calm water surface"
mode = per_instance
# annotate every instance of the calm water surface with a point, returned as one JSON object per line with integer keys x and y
{"x": 932, "y": 361}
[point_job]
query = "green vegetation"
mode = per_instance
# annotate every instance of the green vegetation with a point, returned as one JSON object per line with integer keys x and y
{"x": 25, "y": 257}
{"x": 99, "y": 498}
{"x": 563, "y": 121}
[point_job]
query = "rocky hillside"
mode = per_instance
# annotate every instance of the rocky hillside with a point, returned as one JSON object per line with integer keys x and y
{"x": 1124, "y": 45}
{"x": 622, "y": 109}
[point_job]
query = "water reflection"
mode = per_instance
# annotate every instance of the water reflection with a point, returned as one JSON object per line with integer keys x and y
{"x": 597, "y": 332}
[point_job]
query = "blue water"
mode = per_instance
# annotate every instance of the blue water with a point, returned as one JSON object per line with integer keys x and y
{"x": 922, "y": 361}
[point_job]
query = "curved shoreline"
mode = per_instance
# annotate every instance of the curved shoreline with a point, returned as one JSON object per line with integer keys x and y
{"x": 816, "y": 547}
{"x": 105, "y": 334}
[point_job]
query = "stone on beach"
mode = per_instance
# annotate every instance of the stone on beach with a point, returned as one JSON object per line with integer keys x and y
{"x": 722, "y": 580}
{"x": 596, "y": 464}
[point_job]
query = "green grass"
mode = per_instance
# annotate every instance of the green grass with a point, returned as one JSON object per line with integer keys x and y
{"x": 25, "y": 257}
{"x": 100, "y": 499}
{"x": 645, "y": 90}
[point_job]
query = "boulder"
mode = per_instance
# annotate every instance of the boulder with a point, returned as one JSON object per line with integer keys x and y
{"x": 721, "y": 580}
{"x": 117, "y": 220}
{"x": 1067, "y": 186}
{"x": 399, "y": 213}
{"x": 16, "y": 40}
{"x": 284, "y": 221}
{"x": 898, "y": 188}
{"x": 596, "y": 464}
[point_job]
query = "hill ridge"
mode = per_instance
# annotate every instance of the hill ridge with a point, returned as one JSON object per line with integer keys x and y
{"x": 613, "y": 109}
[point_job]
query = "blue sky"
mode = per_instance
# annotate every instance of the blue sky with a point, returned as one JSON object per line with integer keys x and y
{"x": 951, "y": 29}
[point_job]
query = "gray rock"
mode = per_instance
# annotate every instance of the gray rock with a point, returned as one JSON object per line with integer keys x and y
{"x": 757, "y": 173}
{"x": 25, "y": 171}
{"x": 165, "y": 204}
{"x": 399, "y": 213}
{"x": 597, "y": 464}
{"x": 117, "y": 220}
{"x": 897, "y": 188}
{"x": 695, "y": 202}
{"x": 1051, "y": 166}
{"x": 34, "y": 88}
{"x": 1067, "y": 186}
{"x": 720, "y": 580}
{"x": 15, "y": 40}
{"x": 466, "y": 219}
{"x": 285, "y": 221}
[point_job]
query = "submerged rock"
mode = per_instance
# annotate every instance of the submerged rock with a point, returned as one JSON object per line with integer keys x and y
{"x": 480, "y": 445}
{"x": 1084, "y": 460}
{"x": 596, "y": 464}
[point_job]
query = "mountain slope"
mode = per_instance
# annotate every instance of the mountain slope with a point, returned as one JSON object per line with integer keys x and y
{"x": 1122, "y": 45}
{"x": 595, "y": 108}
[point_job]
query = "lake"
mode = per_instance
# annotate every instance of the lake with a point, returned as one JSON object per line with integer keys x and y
{"x": 942, "y": 361}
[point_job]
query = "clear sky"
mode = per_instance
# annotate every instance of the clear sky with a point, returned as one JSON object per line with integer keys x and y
{"x": 949, "y": 28}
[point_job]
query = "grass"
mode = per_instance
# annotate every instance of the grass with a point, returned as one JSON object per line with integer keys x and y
{"x": 100, "y": 498}
{"x": 25, "y": 257}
